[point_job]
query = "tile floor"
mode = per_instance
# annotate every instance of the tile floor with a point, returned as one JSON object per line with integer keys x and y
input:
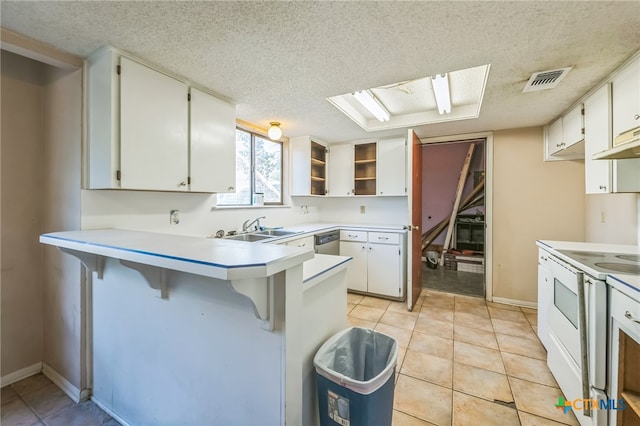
{"x": 457, "y": 282}
{"x": 464, "y": 361}
{"x": 36, "y": 400}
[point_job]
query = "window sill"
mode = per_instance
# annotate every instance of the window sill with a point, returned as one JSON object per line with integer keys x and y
{"x": 274, "y": 206}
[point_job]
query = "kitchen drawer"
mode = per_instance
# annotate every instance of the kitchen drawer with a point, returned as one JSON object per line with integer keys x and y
{"x": 384, "y": 237}
{"x": 625, "y": 310}
{"x": 349, "y": 235}
{"x": 307, "y": 241}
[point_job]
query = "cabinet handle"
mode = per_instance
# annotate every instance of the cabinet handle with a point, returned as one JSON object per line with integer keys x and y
{"x": 637, "y": 116}
{"x": 302, "y": 245}
{"x": 628, "y": 316}
{"x": 558, "y": 145}
{"x": 231, "y": 188}
{"x": 603, "y": 187}
{"x": 383, "y": 238}
{"x": 183, "y": 183}
{"x": 381, "y": 192}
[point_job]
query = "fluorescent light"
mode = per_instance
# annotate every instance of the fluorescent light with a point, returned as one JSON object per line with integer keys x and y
{"x": 440, "y": 85}
{"x": 366, "y": 98}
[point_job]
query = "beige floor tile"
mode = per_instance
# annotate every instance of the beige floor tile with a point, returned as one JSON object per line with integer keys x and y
{"x": 401, "y": 353}
{"x": 354, "y": 298}
{"x": 31, "y": 384}
{"x": 402, "y": 419}
{"x": 428, "y": 367}
{"x": 477, "y": 356}
{"x": 471, "y": 411}
{"x": 8, "y": 394}
{"x": 470, "y": 299}
{"x": 435, "y": 327}
{"x": 438, "y": 302}
{"x": 48, "y": 400}
{"x": 522, "y": 367}
{"x": 503, "y": 306}
{"x": 473, "y": 321}
{"x": 423, "y": 400}
{"x": 513, "y": 329}
{"x": 86, "y": 413}
{"x": 350, "y": 306}
{"x": 399, "y": 319}
{"x": 472, "y": 308}
{"x": 535, "y": 329}
{"x": 401, "y": 335}
{"x": 474, "y": 336}
{"x": 482, "y": 383}
{"x": 375, "y": 302}
{"x": 527, "y": 419}
{"x": 419, "y": 302}
{"x": 439, "y": 314}
{"x": 438, "y": 294}
{"x": 532, "y": 318}
{"x": 431, "y": 345}
{"x": 508, "y": 315}
{"x": 16, "y": 413}
{"x": 529, "y": 310}
{"x": 357, "y": 322}
{"x": 401, "y": 307}
{"x": 539, "y": 400}
{"x": 366, "y": 313}
{"x": 521, "y": 346}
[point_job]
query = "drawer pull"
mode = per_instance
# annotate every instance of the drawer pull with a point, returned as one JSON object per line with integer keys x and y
{"x": 383, "y": 238}
{"x": 628, "y": 315}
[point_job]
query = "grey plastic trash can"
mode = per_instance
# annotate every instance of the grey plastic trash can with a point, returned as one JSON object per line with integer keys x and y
{"x": 355, "y": 374}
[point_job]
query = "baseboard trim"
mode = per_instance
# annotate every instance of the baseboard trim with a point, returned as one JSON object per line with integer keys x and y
{"x": 515, "y": 302}
{"x": 67, "y": 387}
{"x": 109, "y": 412}
{"x": 18, "y": 375}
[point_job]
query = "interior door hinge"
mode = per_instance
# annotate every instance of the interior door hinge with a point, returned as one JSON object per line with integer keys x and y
{"x": 188, "y": 97}
{"x": 189, "y": 180}
{"x": 326, "y": 151}
{"x": 118, "y": 69}
{"x": 118, "y": 175}
{"x": 582, "y": 111}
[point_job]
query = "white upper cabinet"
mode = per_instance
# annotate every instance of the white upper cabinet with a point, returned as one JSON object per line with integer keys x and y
{"x": 565, "y": 136}
{"x": 308, "y": 166}
{"x": 145, "y": 134}
{"x": 154, "y": 116}
{"x": 341, "y": 170}
{"x": 626, "y": 98}
{"x": 212, "y": 144}
{"x": 392, "y": 166}
{"x": 597, "y": 137}
{"x": 573, "y": 127}
{"x": 554, "y": 137}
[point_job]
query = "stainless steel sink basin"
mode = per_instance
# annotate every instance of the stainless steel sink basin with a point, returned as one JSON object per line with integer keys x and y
{"x": 275, "y": 232}
{"x": 249, "y": 237}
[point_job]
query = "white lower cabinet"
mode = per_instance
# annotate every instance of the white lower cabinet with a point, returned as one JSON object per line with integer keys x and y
{"x": 545, "y": 295}
{"x": 378, "y": 264}
{"x": 307, "y": 241}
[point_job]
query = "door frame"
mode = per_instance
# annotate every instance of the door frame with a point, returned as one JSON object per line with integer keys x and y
{"x": 488, "y": 195}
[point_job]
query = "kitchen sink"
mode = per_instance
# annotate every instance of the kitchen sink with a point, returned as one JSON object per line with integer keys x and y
{"x": 249, "y": 237}
{"x": 275, "y": 233}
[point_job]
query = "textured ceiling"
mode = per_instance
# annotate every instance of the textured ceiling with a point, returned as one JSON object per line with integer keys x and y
{"x": 281, "y": 60}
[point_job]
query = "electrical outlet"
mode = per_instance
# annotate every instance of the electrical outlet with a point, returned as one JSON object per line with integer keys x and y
{"x": 174, "y": 217}
{"x": 603, "y": 217}
{"x": 362, "y": 209}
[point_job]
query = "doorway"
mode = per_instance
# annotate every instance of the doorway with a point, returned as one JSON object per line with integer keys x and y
{"x": 454, "y": 216}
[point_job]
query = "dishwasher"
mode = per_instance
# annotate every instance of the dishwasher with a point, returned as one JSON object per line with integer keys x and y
{"x": 328, "y": 243}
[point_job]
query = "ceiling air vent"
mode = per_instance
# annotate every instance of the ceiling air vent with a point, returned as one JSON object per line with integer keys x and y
{"x": 544, "y": 80}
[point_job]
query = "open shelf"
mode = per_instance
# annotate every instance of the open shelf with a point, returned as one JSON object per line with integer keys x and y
{"x": 365, "y": 169}
{"x": 628, "y": 380}
{"x": 317, "y": 179}
{"x": 318, "y": 169}
{"x": 633, "y": 400}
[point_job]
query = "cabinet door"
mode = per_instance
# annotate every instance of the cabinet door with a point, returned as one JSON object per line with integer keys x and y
{"x": 554, "y": 137}
{"x": 153, "y": 129}
{"x": 212, "y": 148}
{"x": 545, "y": 296}
{"x": 626, "y": 99}
{"x": 383, "y": 269}
{"x": 572, "y": 127}
{"x": 392, "y": 167}
{"x": 341, "y": 170}
{"x": 307, "y": 242}
{"x": 597, "y": 137}
{"x": 357, "y": 268}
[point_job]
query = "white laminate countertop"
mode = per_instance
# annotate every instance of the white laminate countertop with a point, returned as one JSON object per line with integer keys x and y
{"x": 217, "y": 258}
{"x": 317, "y": 228}
{"x": 319, "y": 268}
{"x": 624, "y": 282}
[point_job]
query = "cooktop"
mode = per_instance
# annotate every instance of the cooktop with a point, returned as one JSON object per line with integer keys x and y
{"x": 606, "y": 262}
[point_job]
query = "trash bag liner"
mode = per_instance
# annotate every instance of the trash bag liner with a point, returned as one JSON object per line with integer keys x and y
{"x": 357, "y": 358}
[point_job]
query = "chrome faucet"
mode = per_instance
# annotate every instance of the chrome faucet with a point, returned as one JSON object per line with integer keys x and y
{"x": 249, "y": 222}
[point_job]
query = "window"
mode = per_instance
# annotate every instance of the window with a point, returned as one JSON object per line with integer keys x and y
{"x": 258, "y": 170}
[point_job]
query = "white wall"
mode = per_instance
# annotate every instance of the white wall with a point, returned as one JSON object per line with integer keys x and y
{"x": 377, "y": 210}
{"x": 612, "y": 218}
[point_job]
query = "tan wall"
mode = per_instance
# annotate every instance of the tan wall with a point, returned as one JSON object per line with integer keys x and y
{"x": 532, "y": 200}
{"x": 21, "y": 180}
{"x": 612, "y": 218}
{"x": 63, "y": 289}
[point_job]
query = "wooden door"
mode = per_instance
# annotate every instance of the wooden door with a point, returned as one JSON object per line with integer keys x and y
{"x": 414, "y": 233}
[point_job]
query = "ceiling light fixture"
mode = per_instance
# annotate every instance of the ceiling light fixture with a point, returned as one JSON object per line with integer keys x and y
{"x": 440, "y": 85}
{"x": 274, "y": 132}
{"x": 369, "y": 101}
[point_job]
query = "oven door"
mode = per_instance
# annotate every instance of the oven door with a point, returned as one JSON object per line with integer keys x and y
{"x": 563, "y": 312}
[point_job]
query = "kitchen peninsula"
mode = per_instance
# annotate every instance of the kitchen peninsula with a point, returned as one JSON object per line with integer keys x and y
{"x": 190, "y": 330}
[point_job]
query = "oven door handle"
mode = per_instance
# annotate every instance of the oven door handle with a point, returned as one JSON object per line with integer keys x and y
{"x": 584, "y": 357}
